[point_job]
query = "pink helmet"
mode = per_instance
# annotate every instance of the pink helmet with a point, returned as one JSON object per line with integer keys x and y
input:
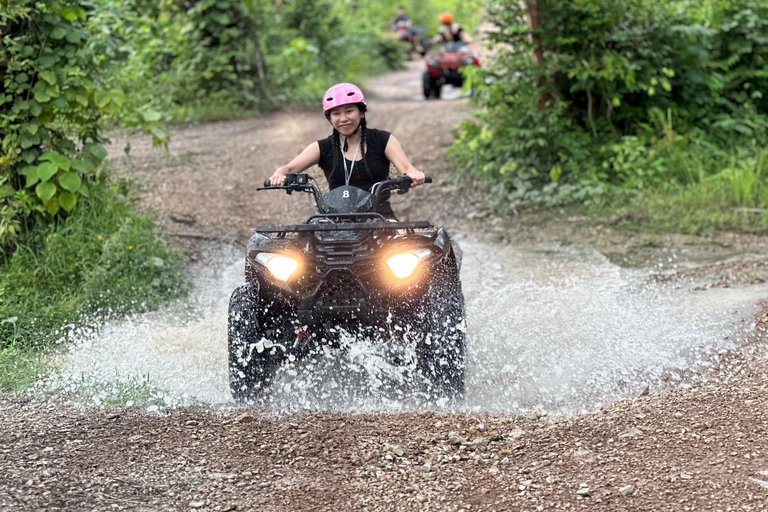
{"x": 342, "y": 94}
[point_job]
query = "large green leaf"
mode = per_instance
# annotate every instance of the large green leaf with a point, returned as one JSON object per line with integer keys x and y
{"x": 47, "y": 61}
{"x": 70, "y": 181}
{"x": 96, "y": 152}
{"x": 25, "y": 142}
{"x": 73, "y": 36}
{"x": 68, "y": 201}
{"x": 117, "y": 97}
{"x": 41, "y": 93}
{"x": 101, "y": 98}
{"x": 45, "y": 191}
{"x": 151, "y": 116}
{"x": 46, "y": 170}
{"x": 70, "y": 13}
{"x": 53, "y": 206}
{"x": 56, "y": 158}
{"x": 58, "y": 33}
{"x": 81, "y": 165}
{"x": 31, "y": 174}
{"x": 49, "y": 76}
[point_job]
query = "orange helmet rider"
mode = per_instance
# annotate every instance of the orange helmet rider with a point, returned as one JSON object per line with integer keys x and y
{"x": 446, "y": 18}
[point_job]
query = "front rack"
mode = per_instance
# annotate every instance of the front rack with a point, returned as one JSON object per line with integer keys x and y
{"x": 350, "y": 226}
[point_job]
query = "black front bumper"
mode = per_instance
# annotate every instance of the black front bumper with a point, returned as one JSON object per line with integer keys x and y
{"x": 451, "y": 77}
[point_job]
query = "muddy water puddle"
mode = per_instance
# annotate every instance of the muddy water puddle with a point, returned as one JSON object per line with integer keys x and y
{"x": 555, "y": 327}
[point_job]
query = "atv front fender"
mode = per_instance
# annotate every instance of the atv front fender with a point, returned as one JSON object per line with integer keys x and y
{"x": 448, "y": 246}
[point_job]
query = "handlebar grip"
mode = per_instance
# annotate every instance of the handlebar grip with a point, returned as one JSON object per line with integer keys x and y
{"x": 428, "y": 179}
{"x": 267, "y": 183}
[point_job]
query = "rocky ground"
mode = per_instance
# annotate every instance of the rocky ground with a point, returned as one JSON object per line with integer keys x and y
{"x": 700, "y": 448}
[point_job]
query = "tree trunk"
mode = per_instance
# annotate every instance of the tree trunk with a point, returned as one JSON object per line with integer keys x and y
{"x": 538, "y": 50}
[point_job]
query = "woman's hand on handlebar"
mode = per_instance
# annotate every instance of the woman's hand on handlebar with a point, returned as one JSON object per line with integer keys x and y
{"x": 417, "y": 177}
{"x": 277, "y": 179}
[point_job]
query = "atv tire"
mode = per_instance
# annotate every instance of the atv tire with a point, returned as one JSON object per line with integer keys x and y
{"x": 431, "y": 89}
{"x": 442, "y": 354}
{"x": 250, "y": 372}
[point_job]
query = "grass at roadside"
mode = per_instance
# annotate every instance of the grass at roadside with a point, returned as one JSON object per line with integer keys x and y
{"x": 103, "y": 261}
{"x": 731, "y": 195}
{"x": 715, "y": 190}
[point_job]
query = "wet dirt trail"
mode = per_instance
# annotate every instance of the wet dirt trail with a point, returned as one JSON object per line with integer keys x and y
{"x": 697, "y": 441}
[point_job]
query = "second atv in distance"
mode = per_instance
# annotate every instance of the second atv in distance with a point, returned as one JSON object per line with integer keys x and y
{"x": 347, "y": 268}
{"x": 444, "y": 65}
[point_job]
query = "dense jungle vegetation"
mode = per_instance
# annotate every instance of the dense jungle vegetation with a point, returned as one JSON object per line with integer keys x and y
{"x": 654, "y": 108}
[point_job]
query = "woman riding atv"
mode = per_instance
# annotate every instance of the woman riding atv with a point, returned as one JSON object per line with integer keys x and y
{"x": 354, "y": 154}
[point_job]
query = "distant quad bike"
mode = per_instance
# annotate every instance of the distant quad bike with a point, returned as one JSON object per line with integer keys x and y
{"x": 444, "y": 67}
{"x": 406, "y": 33}
{"x": 346, "y": 267}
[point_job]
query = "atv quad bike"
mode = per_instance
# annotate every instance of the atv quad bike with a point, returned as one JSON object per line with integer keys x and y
{"x": 444, "y": 67}
{"x": 347, "y": 266}
{"x": 406, "y": 33}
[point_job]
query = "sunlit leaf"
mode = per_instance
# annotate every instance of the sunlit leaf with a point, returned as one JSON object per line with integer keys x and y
{"x": 56, "y": 158}
{"x": 151, "y": 116}
{"x": 49, "y": 76}
{"x": 46, "y": 171}
{"x": 46, "y": 190}
{"x": 32, "y": 176}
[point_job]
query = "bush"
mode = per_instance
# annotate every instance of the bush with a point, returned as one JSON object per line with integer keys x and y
{"x": 101, "y": 261}
{"x": 630, "y": 95}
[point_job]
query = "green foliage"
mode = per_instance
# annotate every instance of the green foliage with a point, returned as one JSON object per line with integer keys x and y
{"x": 132, "y": 391}
{"x": 72, "y": 68}
{"x": 102, "y": 260}
{"x": 203, "y": 59}
{"x": 19, "y": 369}
{"x": 423, "y": 14}
{"x": 735, "y": 198}
{"x": 630, "y": 95}
{"x": 49, "y": 112}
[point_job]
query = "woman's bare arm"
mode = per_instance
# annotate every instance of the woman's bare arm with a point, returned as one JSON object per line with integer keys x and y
{"x": 306, "y": 159}
{"x": 395, "y": 154}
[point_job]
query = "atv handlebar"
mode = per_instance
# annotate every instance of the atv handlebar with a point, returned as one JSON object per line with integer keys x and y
{"x": 301, "y": 182}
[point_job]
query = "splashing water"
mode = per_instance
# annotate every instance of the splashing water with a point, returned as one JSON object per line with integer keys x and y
{"x": 574, "y": 331}
{"x": 554, "y": 327}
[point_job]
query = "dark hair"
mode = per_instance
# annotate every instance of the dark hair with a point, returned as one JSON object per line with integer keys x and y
{"x": 337, "y": 142}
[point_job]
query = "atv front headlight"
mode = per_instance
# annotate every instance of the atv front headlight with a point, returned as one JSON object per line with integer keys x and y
{"x": 403, "y": 264}
{"x": 280, "y": 266}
